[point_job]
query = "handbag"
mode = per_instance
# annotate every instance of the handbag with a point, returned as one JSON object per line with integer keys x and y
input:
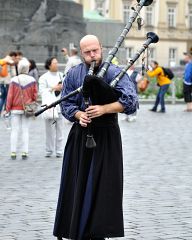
{"x": 29, "y": 108}
{"x": 143, "y": 84}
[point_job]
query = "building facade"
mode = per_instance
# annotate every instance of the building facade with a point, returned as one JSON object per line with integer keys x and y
{"x": 171, "y": 20}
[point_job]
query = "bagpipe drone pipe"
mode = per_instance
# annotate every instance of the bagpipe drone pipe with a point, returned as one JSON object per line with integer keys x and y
{"x": 106, "y": 64}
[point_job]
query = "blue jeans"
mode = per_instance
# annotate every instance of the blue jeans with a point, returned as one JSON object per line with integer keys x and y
{"x": 3, "y": 95}
{"x": 160, "y": 97}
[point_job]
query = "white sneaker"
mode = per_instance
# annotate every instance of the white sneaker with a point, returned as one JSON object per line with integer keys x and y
{"x": 48, "y": 154}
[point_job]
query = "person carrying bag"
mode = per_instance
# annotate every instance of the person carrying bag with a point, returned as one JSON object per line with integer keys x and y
{"x": 22, "y": 90}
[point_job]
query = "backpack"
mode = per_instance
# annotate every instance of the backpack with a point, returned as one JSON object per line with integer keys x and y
{"x": 168, "y": 73}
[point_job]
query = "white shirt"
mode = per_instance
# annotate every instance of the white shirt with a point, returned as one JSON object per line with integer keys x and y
{"x": 72, "y": 61}
{"x": 46, "y": 82}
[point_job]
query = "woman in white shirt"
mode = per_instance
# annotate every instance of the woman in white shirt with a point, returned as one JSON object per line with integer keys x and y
{"x": 50, "y": 85}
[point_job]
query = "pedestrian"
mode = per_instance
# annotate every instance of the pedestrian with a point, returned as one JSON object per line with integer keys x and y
{"x": 50, "y": 85}
{"x": 91, "y": 190}
{"x": 12, "y": 67}
{"x": 33, "y": 70}
{"x": 135, "y": 77}
{"x": 20, "y": 56}
{"x": 187, "y": 83}
{"x": 163, "y": 83}
{"x": 22, "y": 89}
{"x": 71, "y": 60}
{"x": 7, "y": 71}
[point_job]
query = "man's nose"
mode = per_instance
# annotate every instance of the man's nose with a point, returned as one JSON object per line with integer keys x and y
{"x": 92, "y": 53}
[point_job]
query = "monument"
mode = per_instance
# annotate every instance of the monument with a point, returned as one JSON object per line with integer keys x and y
{"x": 40, "y": 28}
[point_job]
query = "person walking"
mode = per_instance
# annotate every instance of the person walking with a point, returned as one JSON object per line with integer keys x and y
{"x": 187, "y": 83}
{"x": 71, "y": 60}
{"x": 91, "y": 189}
{"x": 50, "y": 85}
{"x": 135, "y": 77}
{"x": 14, "y": 105}
{"x": 163, "y": 82}
{"x": 33, "y": 70}
{"x": 7, "y": 71}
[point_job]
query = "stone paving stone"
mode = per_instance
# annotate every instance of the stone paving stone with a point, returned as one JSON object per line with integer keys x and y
{"x": 157, "y": 180}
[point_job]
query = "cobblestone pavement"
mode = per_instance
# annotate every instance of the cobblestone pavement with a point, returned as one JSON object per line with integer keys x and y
{"x": 157, "y": 180}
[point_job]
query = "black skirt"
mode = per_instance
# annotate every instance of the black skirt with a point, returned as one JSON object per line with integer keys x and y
{"x": 91, "y": 190}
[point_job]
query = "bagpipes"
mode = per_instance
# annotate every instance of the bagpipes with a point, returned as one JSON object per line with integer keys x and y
{"x": 152, "y": 37}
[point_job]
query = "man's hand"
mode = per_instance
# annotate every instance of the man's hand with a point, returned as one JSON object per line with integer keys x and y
{"x": 95, "y": 111}
{"x": 99, "y": 110}
{"x": 83, "y": 118}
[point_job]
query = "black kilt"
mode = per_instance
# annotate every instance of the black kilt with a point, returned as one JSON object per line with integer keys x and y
{"x": 91, "y": 190}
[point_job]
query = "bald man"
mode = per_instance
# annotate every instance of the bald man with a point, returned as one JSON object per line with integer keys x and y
{"x": 91, "y": 190}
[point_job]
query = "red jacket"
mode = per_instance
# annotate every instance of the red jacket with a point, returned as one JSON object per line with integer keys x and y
{"x": 29, "y": 90}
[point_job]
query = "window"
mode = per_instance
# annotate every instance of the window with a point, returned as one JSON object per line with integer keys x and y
{"x": 130, "y": 52}
{"x": 172, "y": 56}
{"x": 126, "y": 11}
{"x": 171, "y": 17}
{"x": 149, "y": 16}
{"x": 190, "y": 16}
{"x": 151, "y": 54}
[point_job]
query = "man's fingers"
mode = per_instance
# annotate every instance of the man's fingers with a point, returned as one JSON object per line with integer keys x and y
{"x": 91, "y": 108}
{"x": 92, "y": 111}
{"x": 82, "y": 124}
{"x": 84, "y": 120}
